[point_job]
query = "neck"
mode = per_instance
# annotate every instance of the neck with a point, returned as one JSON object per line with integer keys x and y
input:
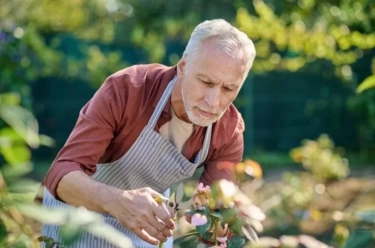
{"x": 177, "y": 102}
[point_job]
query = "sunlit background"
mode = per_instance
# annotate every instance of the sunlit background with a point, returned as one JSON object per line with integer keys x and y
{"x": 310, "y": 131}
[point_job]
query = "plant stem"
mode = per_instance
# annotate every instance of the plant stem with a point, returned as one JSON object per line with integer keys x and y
{"x": 215, "y": 232}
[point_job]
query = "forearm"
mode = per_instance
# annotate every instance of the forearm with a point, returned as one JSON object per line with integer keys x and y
{"x": 78, "y": 189}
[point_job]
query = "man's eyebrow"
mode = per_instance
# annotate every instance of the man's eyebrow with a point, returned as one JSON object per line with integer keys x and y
{"x": 231, "y": 86}
{"x": 208, "y": 79}
{"x": 205, "y": 77}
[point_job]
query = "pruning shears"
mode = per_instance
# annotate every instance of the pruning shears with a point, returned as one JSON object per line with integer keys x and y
{"x": 173, "y": 204}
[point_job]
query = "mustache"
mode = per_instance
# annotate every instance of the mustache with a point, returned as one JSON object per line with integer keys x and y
{"x": 210, "y": 110}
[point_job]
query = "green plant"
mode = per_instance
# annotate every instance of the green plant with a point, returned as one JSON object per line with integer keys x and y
{"x": 19, "y": 131}
{"x": 219, "y": 207}
{"x": 363, "y": 234}
{"x": 320, "y": 158}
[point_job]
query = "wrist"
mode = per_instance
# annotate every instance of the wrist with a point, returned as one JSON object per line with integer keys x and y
{"x": 107, "y": 197}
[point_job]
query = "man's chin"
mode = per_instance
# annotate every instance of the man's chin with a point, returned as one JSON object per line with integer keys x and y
{"x": 204, "y": 122}
{"x": 201, "y": 120}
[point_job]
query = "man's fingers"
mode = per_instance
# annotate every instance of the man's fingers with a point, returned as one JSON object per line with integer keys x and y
{"x": 142, "y": 234}
{"x": 163, "y": 214}
{"x": 160, "y": 227}
{"x": 155, "y": 233}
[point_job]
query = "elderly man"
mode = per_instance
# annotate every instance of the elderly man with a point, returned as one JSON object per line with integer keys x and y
{"x": 151, "y": 126}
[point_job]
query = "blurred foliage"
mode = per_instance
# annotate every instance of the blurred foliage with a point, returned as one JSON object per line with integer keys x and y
{"x": 287, "y": 36}
{"x": 36, "y": 40}
{"x": 321, "y": 160}
{"x": 315, "y": 207}
{"x": 320, "y": 200}
{"x": 19, "y": 131}
{"x": 336, "y": 32}
{"x": 18, "y": 134}
{"x": 368, "y": 83}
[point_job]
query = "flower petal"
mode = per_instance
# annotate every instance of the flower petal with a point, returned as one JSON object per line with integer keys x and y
{"x": 228, "y": 188}
{"x": 222, "y": 239}
{"x": 198, "y": 219}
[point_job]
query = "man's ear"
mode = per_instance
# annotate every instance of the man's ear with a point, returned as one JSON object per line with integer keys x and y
{"x": 181, "y": 66}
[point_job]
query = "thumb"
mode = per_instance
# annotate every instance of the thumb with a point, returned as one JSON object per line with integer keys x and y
{"x": 159, "y": 198}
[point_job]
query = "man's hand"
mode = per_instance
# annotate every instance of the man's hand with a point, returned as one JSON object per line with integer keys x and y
{"x": 138, "y": 211}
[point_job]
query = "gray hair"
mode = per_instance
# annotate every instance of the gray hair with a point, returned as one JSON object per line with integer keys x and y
{"x": 228, "y": 39}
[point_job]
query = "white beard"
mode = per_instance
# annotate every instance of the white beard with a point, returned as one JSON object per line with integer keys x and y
{"x": 198, "y": 120}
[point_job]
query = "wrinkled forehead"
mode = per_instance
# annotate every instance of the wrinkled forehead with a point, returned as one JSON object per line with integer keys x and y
{"x": 218, "y": 66}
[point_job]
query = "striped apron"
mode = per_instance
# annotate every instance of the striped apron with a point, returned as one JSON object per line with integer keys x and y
{"x": 152, "y": 162}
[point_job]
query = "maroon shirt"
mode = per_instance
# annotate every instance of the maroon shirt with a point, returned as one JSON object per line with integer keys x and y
{"x": 109, "y": 124}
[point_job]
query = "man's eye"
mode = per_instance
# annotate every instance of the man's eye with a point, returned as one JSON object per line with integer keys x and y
{"x": 228, "y": 89}
{"x": 207, "y": 83}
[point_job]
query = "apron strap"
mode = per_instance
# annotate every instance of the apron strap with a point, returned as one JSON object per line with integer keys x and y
{"x": 202, "y": 155}
{"x": 164, "y": 98}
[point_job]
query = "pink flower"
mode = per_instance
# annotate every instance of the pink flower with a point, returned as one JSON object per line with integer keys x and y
{"x": 222, "y": 239}
{"x": 202, "y": 187}
{"x": 201, "y": 196}
{"x": 222, "y": 245}
{"x": 198, "y": 219}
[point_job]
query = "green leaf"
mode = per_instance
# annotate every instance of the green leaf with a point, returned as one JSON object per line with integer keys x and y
{"x": 79, "y": 217}
{"x": 70, "y": 233}
{"x": 368, "y": 83}
{"x": 189, "y": 236}
{"x": 45, "y": 239}
{"x": 8, "y": 136}
{"x": 22, "y": 241}
{"x": 236, "y": 242}
{"x": 206, "y": 210}
{"x": 52, "y": 244}
{"x": 10, "y": 99}
{"x": 207, "y": 235}
{"x": 216, "y": 215}
{"x": 23, "y": 122}
{"x": 3, "y": 231}
{"x": 110, "y": 234}
{"x": 16, "y": 154}
{"x": 46, "y": 140}
{"x": 16, "y": 171}
{"x": 360, "y": 239}
{"x": 198, "y": 211}
{"x": 228, "y": 215}
{"x": 236, "y": 226}
{"x": 43, "y": 214}
{"x": 222, "y": 224}
{"x": 366, "y": 215}
{"x": 203, "y": 228}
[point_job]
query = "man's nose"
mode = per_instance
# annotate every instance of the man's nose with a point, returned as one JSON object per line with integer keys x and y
{"x": 213, "y": 97}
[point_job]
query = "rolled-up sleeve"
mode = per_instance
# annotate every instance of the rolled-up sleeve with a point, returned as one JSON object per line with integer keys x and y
{"x": 222, "y": 165}
{"x": 90, "y": 137}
